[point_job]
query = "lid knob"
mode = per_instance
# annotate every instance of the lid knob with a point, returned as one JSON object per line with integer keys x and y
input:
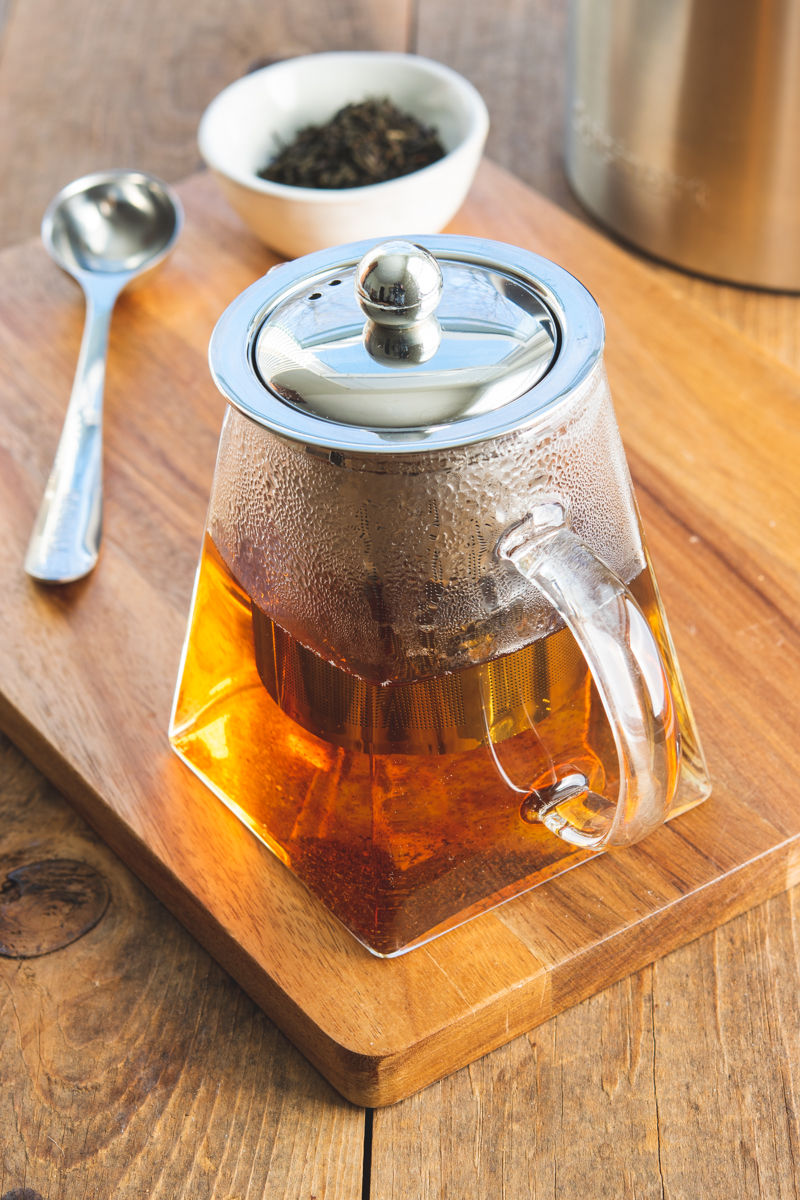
{"x": 398, "y": 283}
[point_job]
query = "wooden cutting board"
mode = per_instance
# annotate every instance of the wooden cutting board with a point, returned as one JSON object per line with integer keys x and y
{"x": 712, "y": 430}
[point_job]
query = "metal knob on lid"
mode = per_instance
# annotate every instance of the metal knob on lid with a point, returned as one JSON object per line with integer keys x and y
{"x": 398, "y": 285}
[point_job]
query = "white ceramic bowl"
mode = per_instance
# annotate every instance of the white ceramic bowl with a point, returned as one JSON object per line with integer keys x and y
{"x": 245, "y": 125}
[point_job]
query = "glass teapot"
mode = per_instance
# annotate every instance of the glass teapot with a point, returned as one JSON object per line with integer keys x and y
{"x": 427, "y": 662}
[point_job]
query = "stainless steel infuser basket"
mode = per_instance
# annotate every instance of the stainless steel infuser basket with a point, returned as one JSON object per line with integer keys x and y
{"x": 420, "y": 479}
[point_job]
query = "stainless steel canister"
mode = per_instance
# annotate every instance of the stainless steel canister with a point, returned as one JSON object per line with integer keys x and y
{"x": 683, "y": 131}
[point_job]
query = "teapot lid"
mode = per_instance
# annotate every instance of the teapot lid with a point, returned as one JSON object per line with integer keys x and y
{"x": 437, "y": 342}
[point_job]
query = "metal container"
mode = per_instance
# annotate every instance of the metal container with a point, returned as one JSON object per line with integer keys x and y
{"x": 683, "y": 131}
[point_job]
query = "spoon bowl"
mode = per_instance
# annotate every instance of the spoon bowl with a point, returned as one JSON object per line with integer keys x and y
{"x": 111, "y": 222}
{"x": 104, "y": 230}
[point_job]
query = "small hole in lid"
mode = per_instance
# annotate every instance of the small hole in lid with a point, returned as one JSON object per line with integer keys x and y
{"x": 334, "y": 282}
{"x": 315, "y": 296}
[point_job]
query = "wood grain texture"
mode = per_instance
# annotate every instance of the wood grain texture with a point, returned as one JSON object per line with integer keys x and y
{"x": 771, "y": 319}
{"x": 680, "y": 1081}
{"x": 514, "y": 52}
{"x": 708, "y": 424}
{"x": 125, "y": 84}
{"x": 131, "y": 1065}
{"x": 46, "y": 905}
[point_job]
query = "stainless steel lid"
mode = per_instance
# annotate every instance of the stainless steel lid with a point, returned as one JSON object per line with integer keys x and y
{"x": 441, "y": 342}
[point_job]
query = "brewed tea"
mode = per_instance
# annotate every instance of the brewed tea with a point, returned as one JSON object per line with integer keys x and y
{"x": 399, "y": 845}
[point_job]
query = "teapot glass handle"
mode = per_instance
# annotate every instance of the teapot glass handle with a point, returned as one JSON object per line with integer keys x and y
{"x": 628, "y": 670}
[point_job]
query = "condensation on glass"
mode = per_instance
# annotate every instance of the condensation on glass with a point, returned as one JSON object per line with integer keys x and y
{"x": 427, "y": 662}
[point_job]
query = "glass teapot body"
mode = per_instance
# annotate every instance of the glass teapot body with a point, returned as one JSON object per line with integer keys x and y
{"x": 406, "y": 665}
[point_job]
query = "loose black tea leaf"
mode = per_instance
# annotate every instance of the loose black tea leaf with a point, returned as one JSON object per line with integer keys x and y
{"x": 364, "y": 143}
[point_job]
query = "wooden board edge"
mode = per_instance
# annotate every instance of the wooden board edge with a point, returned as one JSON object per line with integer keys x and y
{"x": 334, "y": 1061}
{"x": 585, "y": 974}
{"x": 375, "y": 1081}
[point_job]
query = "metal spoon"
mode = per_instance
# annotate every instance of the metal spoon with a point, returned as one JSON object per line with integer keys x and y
{"x": 104, "y": 230}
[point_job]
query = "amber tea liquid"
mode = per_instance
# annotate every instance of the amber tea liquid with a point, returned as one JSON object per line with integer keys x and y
{"x": 404, "y": 811}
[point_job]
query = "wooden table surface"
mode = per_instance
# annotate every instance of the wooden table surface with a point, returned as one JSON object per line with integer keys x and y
{"x": 130, "y": 1064}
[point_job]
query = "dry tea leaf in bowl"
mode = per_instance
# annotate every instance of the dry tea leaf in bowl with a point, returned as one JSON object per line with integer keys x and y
{"x": 364, "y": 143}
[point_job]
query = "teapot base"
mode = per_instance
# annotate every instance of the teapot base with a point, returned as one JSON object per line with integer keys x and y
{"x": 399, "y": 847}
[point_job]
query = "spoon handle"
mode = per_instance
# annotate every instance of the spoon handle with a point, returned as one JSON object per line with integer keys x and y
{"x": 66, "y": 537}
